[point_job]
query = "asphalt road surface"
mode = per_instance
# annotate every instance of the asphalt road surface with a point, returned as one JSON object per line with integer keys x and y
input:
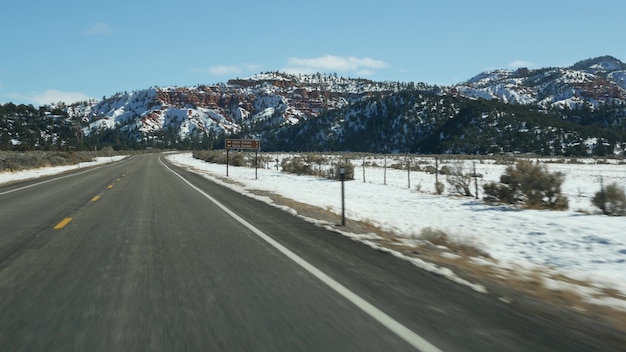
{"x": 139, "y": 255}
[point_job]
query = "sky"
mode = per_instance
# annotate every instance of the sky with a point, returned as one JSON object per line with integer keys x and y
{"x": 73, "y": 50}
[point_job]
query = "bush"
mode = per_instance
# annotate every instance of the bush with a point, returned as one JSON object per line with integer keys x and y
{"x": 439, "y": 187}
{"x": 237, "y": 159}
{"x": 430, "y": 170}
{"x": 611, "y": 200}
{"x": 17, "y": 161}
{"x": 445, "y": 170}
{"x": 459, "y": 179}
{"x": 296, "y": 166}
{"x": 315, "y": 159}
{"x": 530, "y": 185}
{"x": 211, "y": 156}
{"x": 349, "y": 171}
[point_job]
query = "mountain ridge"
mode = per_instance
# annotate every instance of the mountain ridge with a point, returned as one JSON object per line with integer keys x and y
{"x": 560, "y": 107}
{"x": 595, "y": 81}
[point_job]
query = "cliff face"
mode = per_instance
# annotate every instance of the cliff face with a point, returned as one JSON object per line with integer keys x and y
{"x": 272, "y": 99}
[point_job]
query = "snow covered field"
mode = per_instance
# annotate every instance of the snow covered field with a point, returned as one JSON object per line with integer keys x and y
{"x": 580, "y": 242}
{"x": 46, "y": 171}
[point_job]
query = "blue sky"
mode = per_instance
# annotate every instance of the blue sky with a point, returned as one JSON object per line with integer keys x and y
{"x": 71, "y": 50}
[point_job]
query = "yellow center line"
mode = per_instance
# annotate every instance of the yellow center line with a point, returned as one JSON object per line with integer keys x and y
{"x": 119, "y": 179}
{"x": 63, "y": 223}
{"x": 110, "y": 186}
{"x": 95, "y": 198}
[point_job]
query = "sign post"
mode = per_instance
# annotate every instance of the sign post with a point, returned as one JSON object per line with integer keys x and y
{"x": 244, "y": 144}
{"x": 342, "y": 174}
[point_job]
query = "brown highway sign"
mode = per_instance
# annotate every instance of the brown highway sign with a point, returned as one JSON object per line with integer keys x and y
{"x": 243, "y": 144}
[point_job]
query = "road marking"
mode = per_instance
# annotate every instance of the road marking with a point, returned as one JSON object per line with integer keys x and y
{"x": 95, "y": 198}
{"x": 63, "y": 223}
{"x": 54, "y": 179}
{"x": 110, "y": 186}
{"x": 119, "y": 179}
{"x": 396, "y": 327}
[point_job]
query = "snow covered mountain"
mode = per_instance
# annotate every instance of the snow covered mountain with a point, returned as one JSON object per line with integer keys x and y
{"x": 273, "y": 99}
{"x": 593, "y": 81}
{"x": 344, "y": 113}
{"x": 265, "y": 100}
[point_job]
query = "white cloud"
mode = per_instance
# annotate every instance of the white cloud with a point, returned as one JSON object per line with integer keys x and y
{"x": 520, "y": 63}
{"x": 331, "y": 63}
{"x": 100, "y": 28}
{"x": 52, "y": 96}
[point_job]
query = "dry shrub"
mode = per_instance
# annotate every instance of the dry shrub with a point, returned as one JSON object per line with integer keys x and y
{"x": 460, "y": 180}
{"x": 17, "y": 161}
{"x": 530, "y": 185}
{"x": 439, "y": 187}
{"x": 611, "y": 200}
{"x": 296, "y": 165}
{"x": 440, "y": 238}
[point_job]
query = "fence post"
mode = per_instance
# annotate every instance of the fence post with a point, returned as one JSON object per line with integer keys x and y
{"x": 408, "y": 169}
{"x": 475, "y": 179}
{"x": 385, "y": 172}
{"x": 364, "y": 169}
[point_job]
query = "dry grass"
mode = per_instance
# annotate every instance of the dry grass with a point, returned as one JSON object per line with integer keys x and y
{"x": 440, "y": 238}
{"x": 515, "y": 286}
{"x": 509, "y": 284}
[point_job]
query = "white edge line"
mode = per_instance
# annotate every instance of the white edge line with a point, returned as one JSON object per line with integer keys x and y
{"x": 50, "y": 180}
{"x": 402, "y": 331}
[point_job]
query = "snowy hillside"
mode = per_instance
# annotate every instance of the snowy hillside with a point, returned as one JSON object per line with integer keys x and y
{"x": 599, "y": 80}
{"x": 268, "y": 99}
{"x": 549, "y": 111}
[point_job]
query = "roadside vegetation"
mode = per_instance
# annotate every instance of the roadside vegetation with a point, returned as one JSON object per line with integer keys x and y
{"x": 530, "y": 185}
{"x": 526, "y": 181}
{"x": 519, "y": 183}
{"x": 611, "y": 200}
{"x": 18, "y": 161}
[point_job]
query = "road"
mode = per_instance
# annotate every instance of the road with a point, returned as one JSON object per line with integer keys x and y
{"x": 139, "y": 255}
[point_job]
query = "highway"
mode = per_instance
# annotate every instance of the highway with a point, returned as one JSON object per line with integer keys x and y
{"x": 139, "y": 255}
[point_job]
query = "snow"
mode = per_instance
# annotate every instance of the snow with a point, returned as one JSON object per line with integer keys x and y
{"x": 619, "y": 77}
{"x": 6, "y": 177}
{"x": 579, "y": 243}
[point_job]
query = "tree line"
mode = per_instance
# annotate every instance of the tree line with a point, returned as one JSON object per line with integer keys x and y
{"x": 412, "y": 120}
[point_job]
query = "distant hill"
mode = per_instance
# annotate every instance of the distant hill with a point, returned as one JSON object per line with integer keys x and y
{"x": 564, "y": 111}
{"x": 595, "y": 81}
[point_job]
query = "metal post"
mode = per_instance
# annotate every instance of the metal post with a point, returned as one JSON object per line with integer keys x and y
{"x": 256, "y": 164}
{"x": 364, "y": 169}
{"x": 475, "y": 180}
{"x": 227, "y": 162}
{"x": 408, "y": 170}
{"x": 342, "y": 173}
{"x": 385, "y": 172}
